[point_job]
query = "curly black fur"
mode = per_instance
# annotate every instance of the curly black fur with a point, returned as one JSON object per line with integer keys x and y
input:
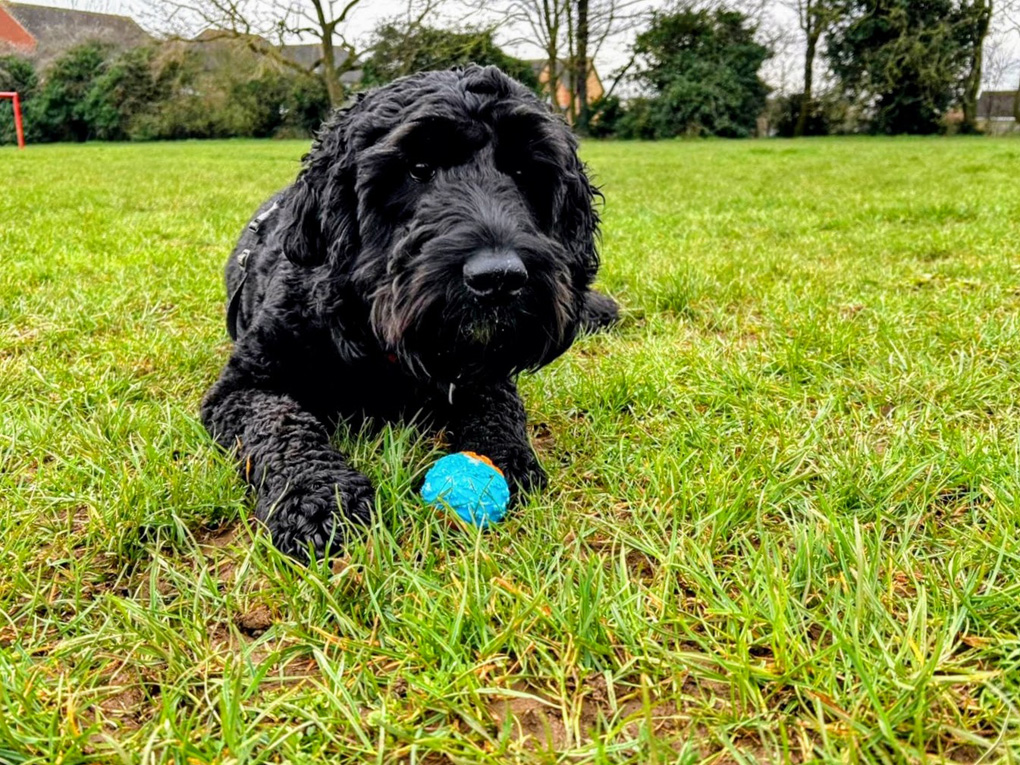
{"x": 351, "y": 298}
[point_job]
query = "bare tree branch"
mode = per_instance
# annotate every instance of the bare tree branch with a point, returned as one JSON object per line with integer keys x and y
{"x": 265, "y": 28}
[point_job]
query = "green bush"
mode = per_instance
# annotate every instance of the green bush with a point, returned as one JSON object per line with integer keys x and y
{"x": 636, "y": 120}
{"x": 397, "y": 52}
{"x": 306, "y": 105}
{"x": 828, "y": 114}
{"x": 281, "y": 100}
{"x": 228, "y": 92}
{"x": 59, "y": 111}
{"x": 702, "y": 67}
{"x": 605, "y": 116}
{"x": 125, "y": 90}
{"x": 166, "y": 91}
{"x": 16, "y": 74}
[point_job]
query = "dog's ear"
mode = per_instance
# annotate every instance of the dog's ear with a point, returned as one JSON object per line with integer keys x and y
{"x": 579, "y": 218}
{"x": 318, "y": 217}
{"x": 299, "y": 234}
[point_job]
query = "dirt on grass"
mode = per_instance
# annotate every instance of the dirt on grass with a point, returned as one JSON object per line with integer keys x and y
{"x": 539, "y": 721}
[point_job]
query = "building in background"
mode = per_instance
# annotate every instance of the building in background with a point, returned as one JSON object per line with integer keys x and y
{"x": 996, "y": 111}
{"x": 41, "y": 33}
{"x": 564, "y": 100}
{"x": 309, "y": 56}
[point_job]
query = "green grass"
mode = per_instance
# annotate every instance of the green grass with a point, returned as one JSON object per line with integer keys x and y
{"x": 782, "y": 522}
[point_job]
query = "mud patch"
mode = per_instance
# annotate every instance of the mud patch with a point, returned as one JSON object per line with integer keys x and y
{"x": 122, "y": 705}
{"x": 539, "y": 721}
{"x": 534, "y": 722}
{"x": 219, "y": 537}
{"x": 641, "y": 566}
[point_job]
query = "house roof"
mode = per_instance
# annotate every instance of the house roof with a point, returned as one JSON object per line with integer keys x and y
{"x": 309, "y": 55}
{"x": 217, "y": 35}
{"x": 996, "y": 104}
{"x": 57, "y": 29}
{"x": 306, "y": 55}
{"x": 13, "y": 35}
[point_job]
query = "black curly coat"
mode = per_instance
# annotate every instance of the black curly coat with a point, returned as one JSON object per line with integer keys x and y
{"x": 439, "y": 240}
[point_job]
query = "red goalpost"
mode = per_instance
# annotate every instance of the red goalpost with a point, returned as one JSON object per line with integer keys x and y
{"x": 17, "y": 117}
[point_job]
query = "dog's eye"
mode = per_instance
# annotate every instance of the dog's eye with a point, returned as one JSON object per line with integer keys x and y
{"x": 422, "y": 172}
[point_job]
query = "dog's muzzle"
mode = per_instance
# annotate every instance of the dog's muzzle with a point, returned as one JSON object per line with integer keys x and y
{"x": 495, "y": 273}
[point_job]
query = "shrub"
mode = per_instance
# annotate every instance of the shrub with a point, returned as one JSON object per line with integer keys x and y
{"x": 226, "y": 91}
{"x": 59, "y": 111}
{"x": 125, "y": 90}
{"x": 17, "y": 74}
{"x": 605, "y": 116}
{"x": 636, "y": 120}
{"x": 829, "y": 115}
{"x": 398, "y": 51}
{"x": 702, "y": 69}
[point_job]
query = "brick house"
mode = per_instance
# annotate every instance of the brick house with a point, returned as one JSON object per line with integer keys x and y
{"x": 564, "y": 84}
{"x": 42, "y": 33}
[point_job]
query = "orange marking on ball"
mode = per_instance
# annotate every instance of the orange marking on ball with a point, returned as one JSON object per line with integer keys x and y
{"x": 486, "y": 460}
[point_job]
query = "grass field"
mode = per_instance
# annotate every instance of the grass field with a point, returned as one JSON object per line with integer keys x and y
{"x": 782, "y": 522}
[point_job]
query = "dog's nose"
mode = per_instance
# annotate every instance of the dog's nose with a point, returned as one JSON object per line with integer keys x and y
{"x": 495, "y": 272}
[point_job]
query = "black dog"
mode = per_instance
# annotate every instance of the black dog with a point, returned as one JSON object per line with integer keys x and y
{"x": 439, "y": 240}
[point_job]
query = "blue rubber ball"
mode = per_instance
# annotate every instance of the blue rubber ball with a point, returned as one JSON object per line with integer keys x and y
{"x": 470, "y": 486}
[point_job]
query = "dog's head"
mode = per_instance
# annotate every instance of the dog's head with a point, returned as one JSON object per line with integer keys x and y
{"x": 454, "y": 207}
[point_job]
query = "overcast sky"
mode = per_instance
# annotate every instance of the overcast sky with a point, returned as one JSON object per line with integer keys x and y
{"x": 782, "y": 72}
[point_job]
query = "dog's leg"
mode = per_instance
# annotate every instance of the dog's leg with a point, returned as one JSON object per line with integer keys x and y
{"x": 306, "y": 492}
{"x": 599, "y": 312}
{"x": 490, "y": 421}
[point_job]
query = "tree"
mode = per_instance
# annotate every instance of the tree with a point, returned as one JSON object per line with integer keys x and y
{"x": 1010, "y": 21}
{"x": 814, "y": 18}
{"x": 703, "y": 68}
{"x": 581, "y": 68}
{"x": 263, "y": 26}
{"x": 19, "y": 75}
{"x": 907, "y": 60}
{"x": 237, "y": 93}
{"x": 590, "y": 23}
{"x": 124, "y": 89}
{"x": 397, "y": 50}
{"x": 546, "y": 20}
{"x": 570, "y": 34}
{"x": 59, "y": 112}
{"x": 976, "y": 20}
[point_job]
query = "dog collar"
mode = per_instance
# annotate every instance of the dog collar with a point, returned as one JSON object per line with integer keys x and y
{"x": 234, "y": 324}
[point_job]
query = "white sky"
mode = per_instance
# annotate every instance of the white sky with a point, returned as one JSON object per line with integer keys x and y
{"x": 784, "y": 71}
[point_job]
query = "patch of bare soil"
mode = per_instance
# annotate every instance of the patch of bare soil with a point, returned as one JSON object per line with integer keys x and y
{"x": 122, "y": 704}
{"x": 538, "y": 721}
{"x": 219, "y": 537}
{"x": 640, "y": 566}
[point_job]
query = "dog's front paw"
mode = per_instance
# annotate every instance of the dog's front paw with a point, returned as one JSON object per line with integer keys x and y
{"x": 599, "y": 312}
{"x": 316, "y": 518}
{"x": 524, "y": 474}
